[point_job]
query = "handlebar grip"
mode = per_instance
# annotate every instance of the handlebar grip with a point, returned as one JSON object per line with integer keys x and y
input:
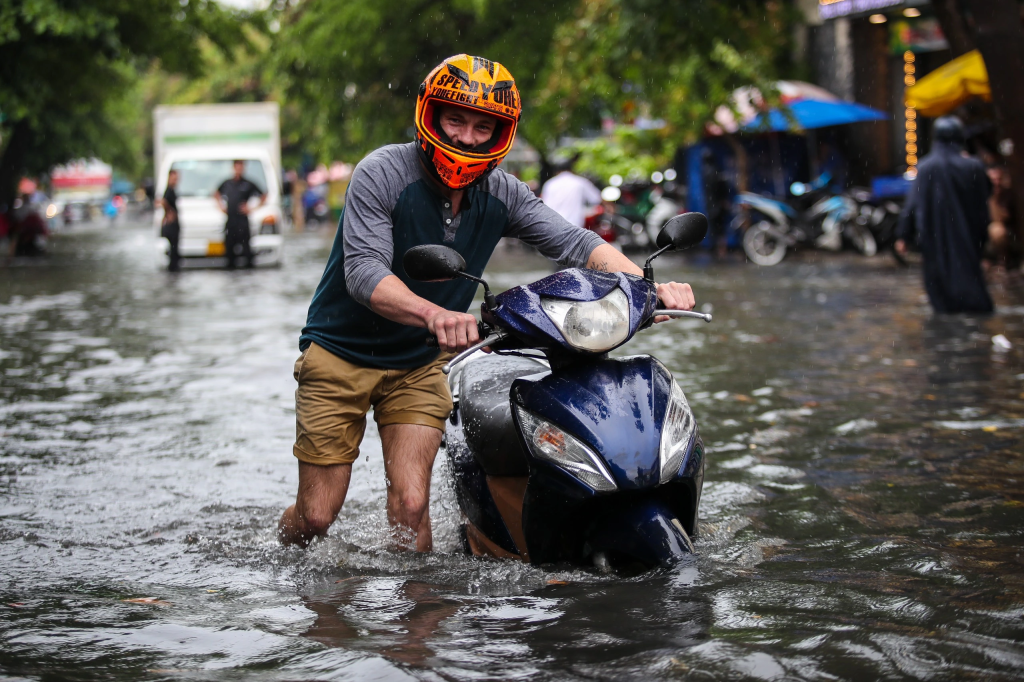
{"x": 483, "y": 329}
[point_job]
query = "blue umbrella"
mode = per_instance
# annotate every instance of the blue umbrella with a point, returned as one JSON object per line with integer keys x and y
{"x": 811, "y": 113}
{"x": 809, "y": 105}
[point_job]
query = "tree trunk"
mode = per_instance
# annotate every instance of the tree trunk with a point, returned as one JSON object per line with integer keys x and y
{"x": 999, "y": 35}
{"x": 957, "y": 33}
{"x": 12, "y": 163}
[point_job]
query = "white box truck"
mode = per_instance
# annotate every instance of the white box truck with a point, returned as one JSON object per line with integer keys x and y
{"x": 200, "y": 142}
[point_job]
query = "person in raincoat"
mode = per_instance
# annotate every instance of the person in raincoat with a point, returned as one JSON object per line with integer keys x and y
{"x": 947, "y": 208}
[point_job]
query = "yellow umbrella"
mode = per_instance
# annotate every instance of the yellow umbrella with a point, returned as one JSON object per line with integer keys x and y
{"x": 950, "y": 85}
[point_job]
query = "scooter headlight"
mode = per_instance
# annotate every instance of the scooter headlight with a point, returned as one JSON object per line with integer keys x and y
{"x": 676, "y": 432}
{"x": 547, "y": 441}
{"x": 595, "y": 326}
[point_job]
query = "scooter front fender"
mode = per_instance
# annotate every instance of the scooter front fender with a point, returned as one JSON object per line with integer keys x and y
{"x": 614, "y": 405}
{"x": 646, "y": 532}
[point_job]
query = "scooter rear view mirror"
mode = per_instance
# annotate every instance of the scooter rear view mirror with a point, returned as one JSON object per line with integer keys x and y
{"x": 681, "y": 232}
{"x": 433, "y": 263}
{"x": 439, "y": 263}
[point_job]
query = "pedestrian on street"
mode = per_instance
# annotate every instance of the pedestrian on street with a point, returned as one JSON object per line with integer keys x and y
{"x": 170, "y": 228}
{"x": 947, "y": 208}
{"x": 364, "y": 344}
{"x": 569, "y": 195}
{"x": 233, "y": 197}
{"x": 716, "y": 201}
{"x": 27, "y": 230}
{"x": 1003, "y": 248}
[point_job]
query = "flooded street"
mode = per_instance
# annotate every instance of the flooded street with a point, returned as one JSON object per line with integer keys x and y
{"x": 862, "y": 516}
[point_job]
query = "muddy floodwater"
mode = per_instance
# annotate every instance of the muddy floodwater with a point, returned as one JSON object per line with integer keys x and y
{"x": 862, "y": 517}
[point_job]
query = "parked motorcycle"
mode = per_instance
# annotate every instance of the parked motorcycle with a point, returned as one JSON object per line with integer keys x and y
{"x": 880, "y": 216}
{"x": 668, "y": 200}
{"x": 816, "y": 217}
{"x": 567, "y": 454}
{"x": 641, "y": 208}
{"x": 625, "y": 220}
{"x": 314, "y": 205}
{"x": 318, "y": 213}
{"x": 601, "y": 224}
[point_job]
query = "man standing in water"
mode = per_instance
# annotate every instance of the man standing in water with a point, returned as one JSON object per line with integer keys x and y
{"x": 947, "y": 207}
{"x": 233, "y": 197}
{"x": 364, "y": 344}
{"x": 570, "y": 195}
{"x": 170, "y": 229}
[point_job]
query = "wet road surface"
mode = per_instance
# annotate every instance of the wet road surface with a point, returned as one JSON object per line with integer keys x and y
{"x": 861, "y": 519}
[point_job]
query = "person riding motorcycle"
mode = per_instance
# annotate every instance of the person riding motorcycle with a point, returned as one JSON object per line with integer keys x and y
{"x": 364, "y": 343}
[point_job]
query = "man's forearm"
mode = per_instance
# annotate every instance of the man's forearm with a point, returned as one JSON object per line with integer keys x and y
{"x": 393, "y": 300}
{"x": 607, "y": 258}
{"x": 672, "y": 294}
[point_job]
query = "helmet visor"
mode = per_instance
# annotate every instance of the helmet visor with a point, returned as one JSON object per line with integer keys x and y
{"x": 496, "y": 146}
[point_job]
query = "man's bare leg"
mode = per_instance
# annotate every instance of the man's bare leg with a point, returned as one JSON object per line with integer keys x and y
{"x": 322, "y": 490}
{"x": 409, "y": 452}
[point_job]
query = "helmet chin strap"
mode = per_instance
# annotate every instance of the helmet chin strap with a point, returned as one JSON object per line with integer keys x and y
{"x": 431, "y": 169}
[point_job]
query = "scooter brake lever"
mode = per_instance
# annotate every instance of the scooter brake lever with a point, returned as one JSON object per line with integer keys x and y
{"x": 684, "y": 313}
{"x": 492, "y": 339}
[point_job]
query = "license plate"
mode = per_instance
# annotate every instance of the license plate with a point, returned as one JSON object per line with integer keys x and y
{"x": 215, "y": 249}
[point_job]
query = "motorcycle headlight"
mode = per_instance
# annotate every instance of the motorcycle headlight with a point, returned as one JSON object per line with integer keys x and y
{"x": 547, "y": 441}
{"x": 591, "y": 325}
{"x": 676, "y": 431}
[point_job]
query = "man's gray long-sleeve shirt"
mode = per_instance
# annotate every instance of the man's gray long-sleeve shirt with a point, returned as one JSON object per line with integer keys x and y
{"x": 392, "y": 206}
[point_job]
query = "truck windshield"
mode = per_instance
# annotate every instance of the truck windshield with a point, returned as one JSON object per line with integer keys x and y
{"x": 202, "y": 177}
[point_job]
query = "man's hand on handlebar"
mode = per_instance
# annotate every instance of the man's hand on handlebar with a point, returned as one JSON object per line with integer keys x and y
{"x": 454, "y": 331}
{"x": 675, "y": 296}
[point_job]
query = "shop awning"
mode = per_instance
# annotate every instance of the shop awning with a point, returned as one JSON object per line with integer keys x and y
{"x": 809, "y": 105}
{"x": 950, "y": 85}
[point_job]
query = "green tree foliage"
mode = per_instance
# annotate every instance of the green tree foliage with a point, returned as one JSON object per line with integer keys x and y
{"x": 240, "y": 73}
{"x": 353, "y": 66}
{"x": 80, "y": 79}
{"x": 671, "y": 61}
{"x": 67, "y": 68}
{"x": 626, "y": 152}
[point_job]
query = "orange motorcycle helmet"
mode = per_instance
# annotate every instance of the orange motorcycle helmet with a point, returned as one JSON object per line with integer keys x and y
{"x": 476, "y": 84}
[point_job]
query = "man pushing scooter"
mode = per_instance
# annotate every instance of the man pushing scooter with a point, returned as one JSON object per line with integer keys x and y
{"x": 364, "y": 343}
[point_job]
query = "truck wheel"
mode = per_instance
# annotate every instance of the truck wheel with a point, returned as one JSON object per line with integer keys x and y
{"x": 761, "y": 246}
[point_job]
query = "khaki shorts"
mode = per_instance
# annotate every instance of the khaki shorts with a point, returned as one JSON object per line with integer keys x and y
{"x": 334, "y": 396}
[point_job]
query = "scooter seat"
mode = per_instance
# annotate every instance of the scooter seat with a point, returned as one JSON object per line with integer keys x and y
{"x": 486, "y": 413}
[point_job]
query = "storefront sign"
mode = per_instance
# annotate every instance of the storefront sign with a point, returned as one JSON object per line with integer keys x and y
{"x": 918, "y": 35}
{"x": 830, "y": 9}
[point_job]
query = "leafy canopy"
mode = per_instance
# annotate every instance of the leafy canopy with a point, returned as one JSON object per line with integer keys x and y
{"x": 354, "y": 66}
{"x": 66, "y": 67}
{"x": 673, "y": 62}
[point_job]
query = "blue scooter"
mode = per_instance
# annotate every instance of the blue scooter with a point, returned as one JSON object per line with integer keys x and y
{"x": 569, "y": 455}
{"x": 816, "y": 217}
